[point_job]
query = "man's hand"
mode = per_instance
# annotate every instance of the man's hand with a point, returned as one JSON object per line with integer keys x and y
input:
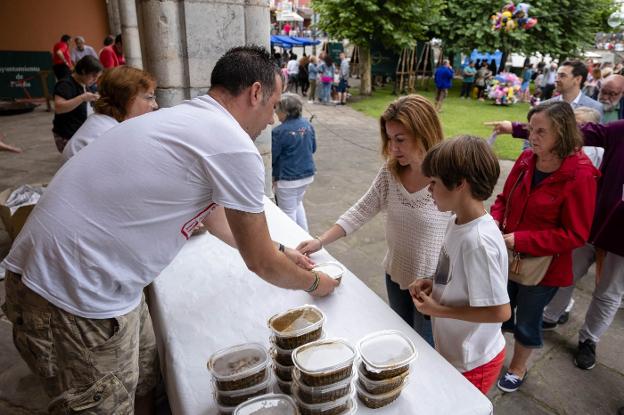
{"x": 310, "y": 246}
{"x": 326, "y": 285}
{"x": 298, "y": 258}
{"x": 421, "y": 286}
{"x": 500, "y": 127}
{"x": 510, "y": 241}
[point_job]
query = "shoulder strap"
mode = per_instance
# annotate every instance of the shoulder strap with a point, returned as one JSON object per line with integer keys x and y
{"x": 504, "y": 224}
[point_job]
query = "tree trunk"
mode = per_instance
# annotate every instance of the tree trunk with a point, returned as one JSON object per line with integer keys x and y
{"x": 366, "y": 87}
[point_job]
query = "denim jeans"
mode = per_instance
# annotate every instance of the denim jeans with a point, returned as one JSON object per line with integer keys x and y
{"x": 402, "y": 304}
{"x": 527, "y": 308}
{"x": 325, "y": 93}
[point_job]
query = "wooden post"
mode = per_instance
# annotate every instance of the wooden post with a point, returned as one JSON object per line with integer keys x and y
{"x": 43, "y": 75}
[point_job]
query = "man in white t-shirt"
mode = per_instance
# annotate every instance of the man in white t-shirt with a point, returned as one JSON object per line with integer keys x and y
{"x": 467, "y": 298}
{"x": 112, "y": 220}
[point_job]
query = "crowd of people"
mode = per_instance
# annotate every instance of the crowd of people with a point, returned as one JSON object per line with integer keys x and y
{"x": 455, "y": 273}
{"x": 318, "y": 78}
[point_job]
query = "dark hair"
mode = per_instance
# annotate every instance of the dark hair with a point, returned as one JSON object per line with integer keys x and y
{"x": 578, "y": 69}
{"x": 241, "y": 66}
{"x": 109, "y": 40}
{"x": 293, "y": 56}
{"x": 466, "y": 158}
{"x": 118, "y": 38}
{"x": 118, "y": 87}
{"x": 328, "y": 60}
{"x": 88, "y": 65}
{"x": 65, "y": 38}
{"x": 561, "y": 116}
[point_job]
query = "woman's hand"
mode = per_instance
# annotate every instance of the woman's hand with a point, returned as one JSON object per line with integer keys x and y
{"x": 310, "y": 246}
{"x": 509, "y": 240}
{"x": 500, "y": 127}
{"x": 299, "y": 259}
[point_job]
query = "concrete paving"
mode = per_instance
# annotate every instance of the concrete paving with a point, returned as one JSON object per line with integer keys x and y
{"x": 347, "y": 160}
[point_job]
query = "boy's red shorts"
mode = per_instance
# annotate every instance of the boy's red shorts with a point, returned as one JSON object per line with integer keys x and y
{"x": 484, "y": 376}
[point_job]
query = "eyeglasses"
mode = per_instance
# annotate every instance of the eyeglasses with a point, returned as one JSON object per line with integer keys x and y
{"x": 149, "y": 97}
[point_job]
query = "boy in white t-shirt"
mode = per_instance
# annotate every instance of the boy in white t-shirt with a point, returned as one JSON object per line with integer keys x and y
{"x": 467, "y": 298}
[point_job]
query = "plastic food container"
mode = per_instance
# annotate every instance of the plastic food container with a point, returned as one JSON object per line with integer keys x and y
{"x": 283, "y": 372}
{"x": 281, "y": 356}
{"x": 297, "y": 326}
{"x": 324, "y": 362}
{"x": 285, "y": 387}
{"x": 271, "y": 404}
{"x": 377, "y": 387}
{"x": 341, "y": 406}
{"x": 239, "y": 367}
{"x": 225, "y": 410}
{"x": 332, "y": 269}
{"x": 236, "y": 397}
{"x": 320, "y": 394}
{"x": 386, "y": 354}
{"x": 377, "y": 401}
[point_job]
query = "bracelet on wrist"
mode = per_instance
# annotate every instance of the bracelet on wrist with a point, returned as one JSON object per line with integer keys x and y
{"x": 281, "y": 247}
{"x": 318, "y": 238}
{"x": 315, "y": 284}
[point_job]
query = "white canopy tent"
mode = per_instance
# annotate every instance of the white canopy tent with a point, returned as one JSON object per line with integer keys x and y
{"x": 289, "y": 16}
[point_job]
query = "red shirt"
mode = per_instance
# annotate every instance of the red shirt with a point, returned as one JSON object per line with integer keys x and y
{"x": 554, "y": 217}
{"x": 108, "y": 57}
{"x": 64, "y": 48}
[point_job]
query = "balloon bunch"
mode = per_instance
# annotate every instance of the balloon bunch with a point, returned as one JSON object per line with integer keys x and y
{"x": 504, "y": 89}
{"x": 512, "y": 17}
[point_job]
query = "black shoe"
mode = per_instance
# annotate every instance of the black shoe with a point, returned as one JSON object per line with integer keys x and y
{"x": 564, "y": 318}
{"x": 548, "y": 326}
{"x": 585, "y": 356}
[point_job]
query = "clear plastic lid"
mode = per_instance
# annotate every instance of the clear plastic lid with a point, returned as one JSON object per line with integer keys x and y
{"x": 238, "y": 362}
{"x": 268, "y": 382}
{"x": 333, "y": 269}
{"x": 297, "y": 321}
{"x": 387, "y": 349}
{"x": 371, "y": 384}
{"x": 324, "y": 356}
{"x": 319, "y": 390}
{"x": 382, "y": 396}
{"x": 270, "y": 404}
{"x": 326, "y": 406}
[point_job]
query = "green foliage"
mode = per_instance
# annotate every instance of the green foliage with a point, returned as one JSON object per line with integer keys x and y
{"x": 564, "y": 28}
{"x": 396, "y": 23}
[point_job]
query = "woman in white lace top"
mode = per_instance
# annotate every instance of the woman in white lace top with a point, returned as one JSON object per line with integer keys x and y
{"x": 414, "y": 226}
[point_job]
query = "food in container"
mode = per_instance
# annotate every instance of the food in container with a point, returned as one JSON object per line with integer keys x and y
{"x": 285, "y": 387}
{"x": 271, "y": 404}
{"x": 324, "y": 362}
{"x": 297, "y": 326}
{"x": 332, "y": 269}
{"x": 342, "y": 406}
{"x": 240, "y": 366}
{"x": 376, "y": 387}
{"x": 236, "y": 397}
{"x": 386, "y": 354}
{"x": 283, "y": 372}
{"x": 225, "y": 409}
{"x": 377, "y": 401}
{"x": 320, "y": 394}
{"x": 281, "y": 356}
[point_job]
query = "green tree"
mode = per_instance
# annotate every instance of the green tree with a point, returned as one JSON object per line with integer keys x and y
{"x": 396, "y": 23}
{"x": 564, "y": 28}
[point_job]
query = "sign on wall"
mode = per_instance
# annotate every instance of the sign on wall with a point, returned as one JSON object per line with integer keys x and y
{"x": 19, "y": 74}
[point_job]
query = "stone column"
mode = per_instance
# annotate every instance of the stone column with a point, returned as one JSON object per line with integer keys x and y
{"x": 114, "y": 21}
{"x": 258, "y": 32}
{"x": 163, "y": 34}
{"x": 130, "y": 33}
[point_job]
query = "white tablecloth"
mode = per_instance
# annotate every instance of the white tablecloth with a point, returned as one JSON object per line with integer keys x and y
{"x": 206, "y": 299}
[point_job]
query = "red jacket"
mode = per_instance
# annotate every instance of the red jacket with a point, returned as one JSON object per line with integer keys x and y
{"x": 554, "y": 217}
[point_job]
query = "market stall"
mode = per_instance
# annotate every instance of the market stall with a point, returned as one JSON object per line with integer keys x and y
{"x": 207, "y": 300}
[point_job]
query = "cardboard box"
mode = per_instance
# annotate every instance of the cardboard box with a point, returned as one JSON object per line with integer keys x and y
{"x": 14, "y": 223}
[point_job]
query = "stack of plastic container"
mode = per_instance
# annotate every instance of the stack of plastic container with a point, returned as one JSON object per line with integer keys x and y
{"x": 323, "y": 378}
{"x": 291, "y": 329}
{"x": 239, "y": 373}
{"x": 271, "y": 404}
{"x": 383, "y": 372}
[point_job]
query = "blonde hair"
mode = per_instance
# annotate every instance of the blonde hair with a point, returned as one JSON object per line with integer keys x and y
{"x": 419, "y": 117}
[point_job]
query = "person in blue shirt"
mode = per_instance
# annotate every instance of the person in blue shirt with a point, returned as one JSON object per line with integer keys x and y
{"x": 468, "y": 73}
{"x": 443, "y": 80}
{"x": 294, "y": 143}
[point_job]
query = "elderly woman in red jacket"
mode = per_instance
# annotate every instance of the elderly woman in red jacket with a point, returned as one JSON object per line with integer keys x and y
{"x": 546, "y": 209}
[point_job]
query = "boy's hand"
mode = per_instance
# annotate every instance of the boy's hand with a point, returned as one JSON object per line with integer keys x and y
{"x": 422, "y": 285}
{"x": 500, "y": 127}
{"x": 426, "y": 304}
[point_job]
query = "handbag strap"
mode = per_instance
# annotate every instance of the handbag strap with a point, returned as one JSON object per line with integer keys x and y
{"x": 504, "y": 224}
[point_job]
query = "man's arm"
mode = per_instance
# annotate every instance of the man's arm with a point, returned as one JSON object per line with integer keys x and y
{"x": 251, "y": 234}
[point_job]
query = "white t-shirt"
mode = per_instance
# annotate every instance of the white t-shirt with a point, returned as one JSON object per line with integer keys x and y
{"x": 115, "y": 216}
{"x": 472, "y": 271}
{"x": 93, "y": 127}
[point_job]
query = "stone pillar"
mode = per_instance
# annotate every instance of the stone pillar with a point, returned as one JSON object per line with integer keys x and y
{"x": 130, "y": 33}
{"x": 114, "y": 21}
{"x": 163, "y": 34}
{"x": 258, "y": 32}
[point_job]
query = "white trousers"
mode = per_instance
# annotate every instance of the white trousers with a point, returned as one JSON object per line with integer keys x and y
{"x": 290, "y": 200}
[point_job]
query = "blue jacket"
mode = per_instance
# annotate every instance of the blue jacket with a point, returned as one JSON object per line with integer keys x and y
{"x": 443, "y": 77}
{"x": 294, "y": 142}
